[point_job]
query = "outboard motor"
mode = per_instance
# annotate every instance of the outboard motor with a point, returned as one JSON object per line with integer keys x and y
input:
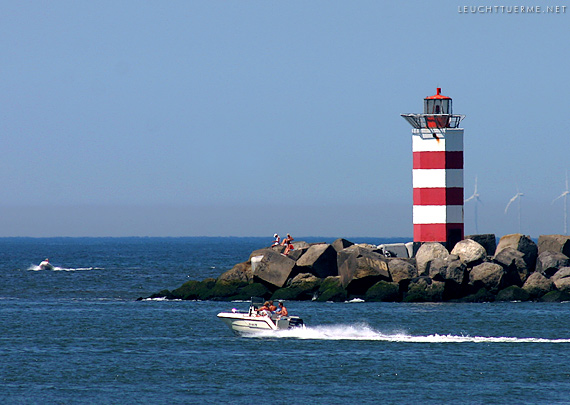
{"x": 295, "y": 321}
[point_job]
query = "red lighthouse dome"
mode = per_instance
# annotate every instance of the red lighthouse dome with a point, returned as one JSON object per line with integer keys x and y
{"x": 438, "y": 104}
{"x": 438, "y": 113}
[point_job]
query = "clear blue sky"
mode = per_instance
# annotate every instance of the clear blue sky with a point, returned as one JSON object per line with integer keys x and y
{"x": 249, "y": 117}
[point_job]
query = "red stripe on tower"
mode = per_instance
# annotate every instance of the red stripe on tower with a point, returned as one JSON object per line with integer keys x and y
{"x": 437, "y": 147}
{"x": 438, "y": 196}
{"x": 438, "y": 160}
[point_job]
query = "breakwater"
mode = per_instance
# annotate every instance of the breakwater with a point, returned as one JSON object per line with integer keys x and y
{"x": 477, "y": 269}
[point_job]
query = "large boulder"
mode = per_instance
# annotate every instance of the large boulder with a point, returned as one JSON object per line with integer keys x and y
{"x": 300, "y": 245}
{"x": 162, "y": 294}
{"x": 437, "y": 268}
{"x": 305, "y": 281}
{"x": 252, "y": 290}
{"x": 360, "y": 268}
{"x": 556, "y": 296}
{"x": 302, "y": 287}
{"x": 225, "y": 290}
{"x": 488, "y": 241}
{"x": 296, "y": 254}
{"x": 341, "y": 244}
{"x": 455, "y": 278}
{"x": 320, "y": 260}
{"x": 450, "y": 268}
{"x": 331, "y": 289}
{"x": 563, "y": 284}
{"x": 537, "y": 285}
{"x": 549, "y": 262}
{"x": 241, "y": 272}
{"x": 564, "y": 272}
{"x": 367, "y": 246}
{"x": 487, "y": 275}
{"x": 261, "y": 252}
{"x": 383, "y": 291}
{"x": 424, "y": 289}
{"x": 452, "y": 271}
{"x": 554, "y": 243}
{"x": 514, "y": 264}
{"x": 428, "y": 252}
{"x": 274, "y": 269}
{"x": 401, "y": 271}
{"x": 456, "y": 271}
{"x": 523, "y": 244}
{"x": 481, "y": 295}
{"x": 470, "y": 252}
{"x": 513, "y": 293}
{"x": 195, "y": 290}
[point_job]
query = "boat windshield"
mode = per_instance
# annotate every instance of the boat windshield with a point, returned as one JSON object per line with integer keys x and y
{"x": 257, "y": 302}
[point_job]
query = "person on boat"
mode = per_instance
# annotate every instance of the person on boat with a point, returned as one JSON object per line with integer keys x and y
{"x": 272, "y": 307}
{"x": 264, "y": 309}
{"x": 277, "y": 240}
{"x": 287, "y": 242}
{"x": 282, "y": 310}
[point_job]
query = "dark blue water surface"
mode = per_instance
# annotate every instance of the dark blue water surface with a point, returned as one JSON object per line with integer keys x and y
{"x": 77, "y": 335}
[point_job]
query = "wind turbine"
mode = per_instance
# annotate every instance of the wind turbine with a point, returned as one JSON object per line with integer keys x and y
{"x": 565, "y": 195}
{"x": 518, "y": 196}
{"x": 478, "y": 201}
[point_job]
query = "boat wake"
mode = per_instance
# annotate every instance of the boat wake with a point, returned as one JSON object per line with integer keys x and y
{"x": 38, "y": 268}
{"x": 364, "y": 332}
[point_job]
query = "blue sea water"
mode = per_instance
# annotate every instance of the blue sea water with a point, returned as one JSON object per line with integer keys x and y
{"x": 77, "y": 335}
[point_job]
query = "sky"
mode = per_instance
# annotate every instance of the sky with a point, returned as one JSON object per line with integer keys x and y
{"x": 250, "y": 117}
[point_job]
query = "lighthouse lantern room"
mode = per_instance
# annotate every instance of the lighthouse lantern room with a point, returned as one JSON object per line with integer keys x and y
{"x": 437, "y": 175}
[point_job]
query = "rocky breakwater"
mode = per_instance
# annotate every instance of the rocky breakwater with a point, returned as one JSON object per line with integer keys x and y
{"x": 476, "y": 270}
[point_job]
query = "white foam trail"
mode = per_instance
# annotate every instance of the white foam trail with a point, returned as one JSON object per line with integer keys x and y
{"x": 37, "y": 268}
{"x": 159, "y": 299}
{"x": 366, "y": 333}
{"x": 355, "y": 301}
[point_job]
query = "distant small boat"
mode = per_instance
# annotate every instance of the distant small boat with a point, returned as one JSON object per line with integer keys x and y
{"x": 46, "y": 265}
{"x": 254, "y": 320}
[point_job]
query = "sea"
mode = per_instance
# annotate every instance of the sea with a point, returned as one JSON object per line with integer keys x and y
{"x": 78, "y": 335}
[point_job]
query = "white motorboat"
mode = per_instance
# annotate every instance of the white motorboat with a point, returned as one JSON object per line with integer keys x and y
{"x": 254, "y": 320}
{"x": 46, "y": 265}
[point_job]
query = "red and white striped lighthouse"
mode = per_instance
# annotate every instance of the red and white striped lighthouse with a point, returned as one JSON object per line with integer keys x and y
{"x": 437, "y": 145}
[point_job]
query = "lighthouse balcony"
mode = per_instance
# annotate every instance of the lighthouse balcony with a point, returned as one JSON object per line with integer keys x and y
{"x": 433, "y": 120}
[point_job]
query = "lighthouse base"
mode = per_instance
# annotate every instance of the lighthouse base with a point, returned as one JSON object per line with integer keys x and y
{"x": 446, "y": 234}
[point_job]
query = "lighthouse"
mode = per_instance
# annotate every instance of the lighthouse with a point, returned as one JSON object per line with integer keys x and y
{"x": 437, "y": 175}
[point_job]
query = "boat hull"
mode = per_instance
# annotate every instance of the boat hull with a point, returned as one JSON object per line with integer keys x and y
{"x": 244, "y": 323}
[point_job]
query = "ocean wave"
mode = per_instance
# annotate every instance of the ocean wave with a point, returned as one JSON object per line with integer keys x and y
{"x": 366, "y": 333}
